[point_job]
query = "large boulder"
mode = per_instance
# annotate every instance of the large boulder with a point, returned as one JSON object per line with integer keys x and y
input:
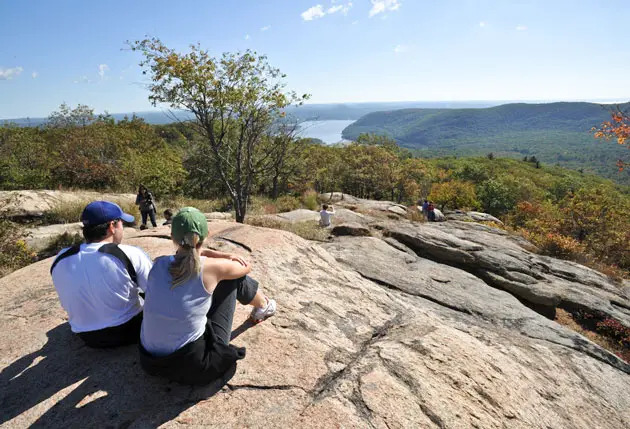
{"x": 34, "y": 204}
{"x": 368, "y": 334}
{"x": 351, "y": 228}
{"x": 472, "y": 216}
{"x": 40, "y": 237}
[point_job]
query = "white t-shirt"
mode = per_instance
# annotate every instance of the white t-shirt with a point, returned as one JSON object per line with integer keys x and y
{"x": 325, "y": 217}
{"x": 95, "y": 289}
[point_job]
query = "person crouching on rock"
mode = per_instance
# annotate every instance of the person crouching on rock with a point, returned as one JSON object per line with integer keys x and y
{"x": 98, "y": 282}
{"x": 144, "y": 201}
{"x": 325, "y": 215}
{"x": 190, "y": 302}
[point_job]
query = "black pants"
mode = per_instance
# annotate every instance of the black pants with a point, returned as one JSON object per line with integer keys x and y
{"x": 114, "y": 336}
{"x": 211, "y": 358}
{"x": 151, "y": 214}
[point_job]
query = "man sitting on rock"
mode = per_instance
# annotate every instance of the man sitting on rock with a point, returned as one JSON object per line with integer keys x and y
{"x": 325, "y": 215}
{"x": 99, "y": 281}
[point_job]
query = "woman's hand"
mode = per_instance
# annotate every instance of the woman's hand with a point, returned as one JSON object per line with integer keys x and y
{"x": 209, "y": 253}
{"x": 238, "y": 259}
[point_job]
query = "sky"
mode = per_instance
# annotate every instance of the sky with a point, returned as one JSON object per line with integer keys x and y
{"x": 56, "y": 51}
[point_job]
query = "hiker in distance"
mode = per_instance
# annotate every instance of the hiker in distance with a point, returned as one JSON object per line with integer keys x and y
{"x": 144, "y": 201}
{"x": 189, "y": 308}
{"x": 99, "y": 281}
{"x": 325, "y": 215}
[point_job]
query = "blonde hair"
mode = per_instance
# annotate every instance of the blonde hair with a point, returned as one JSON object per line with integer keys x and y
{"x": 186, "y": 264}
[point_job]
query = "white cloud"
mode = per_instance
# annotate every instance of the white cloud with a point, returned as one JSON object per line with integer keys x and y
{"x": 521, "y": 27}
{"x": 355, "y": 22}
{"x": 482, "y": 24}
{"x": 340, "y": 8}
{"x": 247, "y": 37}
{"x": 102, "y": 68}
{"x": 334, "y": 9}
{"x": 83, "y": 79}
{"x": 265, "y": 28}
{"x": 34, "y": 75}
{"x": 379, "y": 6}
{"x": 8, "y": 74}
{"x": 399, "y": 49}
{"x": 314, "y": 13}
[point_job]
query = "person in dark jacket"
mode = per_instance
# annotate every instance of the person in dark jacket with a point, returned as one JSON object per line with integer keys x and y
{"x": 144, "y": 201}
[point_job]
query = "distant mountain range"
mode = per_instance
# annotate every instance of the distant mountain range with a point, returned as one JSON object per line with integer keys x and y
{"x": 556, "y": 133}
{"x": 306, "y": 112}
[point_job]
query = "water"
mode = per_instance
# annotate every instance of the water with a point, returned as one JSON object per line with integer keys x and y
{"x": 328, "y": 131}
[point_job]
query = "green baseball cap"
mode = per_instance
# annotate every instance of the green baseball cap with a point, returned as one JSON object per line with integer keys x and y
{"x": 189, "y": 219}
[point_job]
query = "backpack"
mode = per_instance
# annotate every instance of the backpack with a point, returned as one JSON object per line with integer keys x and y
{"x": 110, "y": 249}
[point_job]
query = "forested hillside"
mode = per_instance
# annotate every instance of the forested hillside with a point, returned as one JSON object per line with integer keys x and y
{"x": 553, "y": 133}
{"x": 566, "y": 213}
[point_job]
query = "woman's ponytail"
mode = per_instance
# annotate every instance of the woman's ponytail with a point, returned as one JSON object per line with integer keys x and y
{"x": 186, "y": 263}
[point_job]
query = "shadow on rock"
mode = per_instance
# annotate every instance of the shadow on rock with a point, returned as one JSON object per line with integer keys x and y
{"x": 80, "y": 386}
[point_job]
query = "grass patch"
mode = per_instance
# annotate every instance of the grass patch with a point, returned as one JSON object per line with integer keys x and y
{"x": 308, "y": 230}
{"x": 205, "y": 206}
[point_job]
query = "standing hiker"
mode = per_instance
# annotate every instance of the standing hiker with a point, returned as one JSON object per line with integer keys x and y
{"x": 144, "y": 201}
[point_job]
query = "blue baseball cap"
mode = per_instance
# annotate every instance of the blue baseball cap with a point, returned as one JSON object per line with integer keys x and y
{"x": 99, "y": 212}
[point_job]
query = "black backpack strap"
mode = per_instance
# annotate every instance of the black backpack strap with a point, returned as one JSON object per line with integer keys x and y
{"x": 114, "y": 250}
{"x": 71, "y": 251}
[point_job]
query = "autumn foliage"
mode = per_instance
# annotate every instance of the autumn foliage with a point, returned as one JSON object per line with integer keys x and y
{"x": 618, "y": 128}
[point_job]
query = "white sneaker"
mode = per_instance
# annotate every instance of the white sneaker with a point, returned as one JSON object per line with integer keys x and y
{"x": 260, "y": 314}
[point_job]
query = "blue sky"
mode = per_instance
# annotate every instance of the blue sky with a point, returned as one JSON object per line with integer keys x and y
{"x": 338, "y": 51}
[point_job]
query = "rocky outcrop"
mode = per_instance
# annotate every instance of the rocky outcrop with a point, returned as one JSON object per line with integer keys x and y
{"x": 472, "y": 216}
{"x": 351, "y": 228}
{"x": 370, "y": 333}
{"x": 500, "y": 260}
{"x": 364, "y": 206}
{"x": 33, "y": 204}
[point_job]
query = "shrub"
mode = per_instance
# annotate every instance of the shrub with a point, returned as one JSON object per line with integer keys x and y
{"x": 309, "y": 200}
{"x": 60, "y": 242}
{"x": 14, "y": 253}
{"x": 286, "y": 203}
{"x": 454, "y": 195}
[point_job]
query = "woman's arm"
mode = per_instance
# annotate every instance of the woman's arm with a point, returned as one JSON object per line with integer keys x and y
{"x": 216, "y": 270}
{"x": 210, "y": 253}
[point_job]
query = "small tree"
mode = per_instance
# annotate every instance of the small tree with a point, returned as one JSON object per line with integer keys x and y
{"x": 236, "y": 100}
{"x": 454, "y": 195}
{"x": 619, "y": 128}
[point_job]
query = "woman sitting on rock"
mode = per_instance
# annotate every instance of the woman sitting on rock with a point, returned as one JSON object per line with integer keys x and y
{"x": 189, "y": 307}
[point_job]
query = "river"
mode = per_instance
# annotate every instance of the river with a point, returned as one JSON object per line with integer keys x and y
{"x": 327, "y": 131}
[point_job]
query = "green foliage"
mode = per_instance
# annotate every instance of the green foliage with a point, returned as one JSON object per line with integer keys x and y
{"x": 552, "y": 133}
{"x": 495, "y": 197}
